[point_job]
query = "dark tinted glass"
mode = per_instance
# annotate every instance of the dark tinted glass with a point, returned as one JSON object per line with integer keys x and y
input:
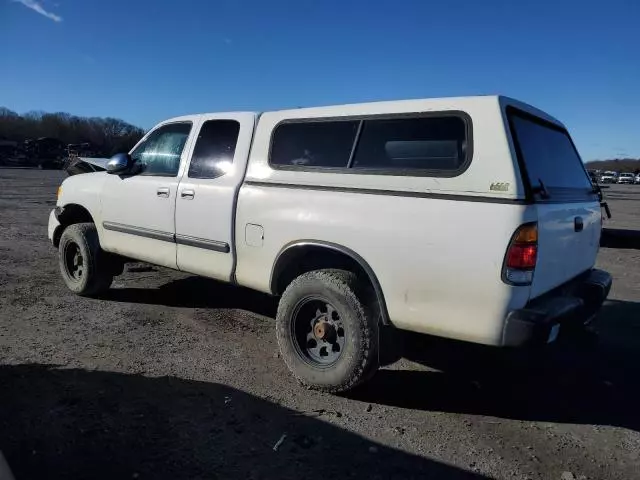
{"x": 549, "y": 155}
{"x": 215, "y": 148}
{"x": 160, "y": 153}
{"x": 313, "y": 144}
{"x": 428, "y": 143}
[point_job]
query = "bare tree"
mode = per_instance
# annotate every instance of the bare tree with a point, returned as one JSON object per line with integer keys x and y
{"x": 107, "y": 135}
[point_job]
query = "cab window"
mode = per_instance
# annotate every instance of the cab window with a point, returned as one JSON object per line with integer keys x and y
{"x": 159, "y": 154}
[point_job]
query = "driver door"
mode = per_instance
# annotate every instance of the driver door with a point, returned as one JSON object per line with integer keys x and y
{"x": 138, "y": 208}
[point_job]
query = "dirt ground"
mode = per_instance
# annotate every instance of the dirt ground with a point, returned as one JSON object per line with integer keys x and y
{"x": 173, "y": 376}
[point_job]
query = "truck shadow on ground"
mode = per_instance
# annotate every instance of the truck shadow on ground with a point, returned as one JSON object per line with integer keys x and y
{"x": 198, "y": 292}
{"x": 571, "y": 382}
{"x": 73, "y": 423}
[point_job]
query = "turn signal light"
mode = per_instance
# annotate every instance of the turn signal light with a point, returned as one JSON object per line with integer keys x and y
{"x": 527, "y": 234}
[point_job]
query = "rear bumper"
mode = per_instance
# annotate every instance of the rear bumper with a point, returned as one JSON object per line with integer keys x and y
{"x": 575, "y": 303}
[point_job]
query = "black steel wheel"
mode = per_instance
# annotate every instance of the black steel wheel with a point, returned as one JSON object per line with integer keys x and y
{"x": 318, "y": 331}
{"x": 73, "y": 261}
{"x": 327, "y": 330}
{"x": 83, "y": 265}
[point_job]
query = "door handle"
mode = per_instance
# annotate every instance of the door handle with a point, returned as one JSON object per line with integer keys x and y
{"x": 187, "y": 194}
{"x": 163, "y": 192}
{"x": 578, "y": 224}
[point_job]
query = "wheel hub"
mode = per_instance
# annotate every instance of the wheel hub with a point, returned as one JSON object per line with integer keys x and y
{"x": 324, "y": 330}
{"x": 319, "y": 332}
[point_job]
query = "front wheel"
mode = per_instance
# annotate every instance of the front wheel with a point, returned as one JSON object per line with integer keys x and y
{"x": 327, "y": 330}
{"x": 83, "y": 264}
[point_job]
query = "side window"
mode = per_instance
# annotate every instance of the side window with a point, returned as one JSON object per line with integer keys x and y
{"x": 215, "y": 148}
{"x": 422, "y": 143}
{"x": 159, "y": 154}
{"x": 313, "y": 144}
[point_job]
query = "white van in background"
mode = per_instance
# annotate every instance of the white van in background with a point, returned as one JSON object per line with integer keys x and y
{"x": 626, "y": 178}
{"x": 609, "y": 177}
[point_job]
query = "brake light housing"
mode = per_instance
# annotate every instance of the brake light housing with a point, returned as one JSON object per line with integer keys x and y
{"x": 522, "y": 255}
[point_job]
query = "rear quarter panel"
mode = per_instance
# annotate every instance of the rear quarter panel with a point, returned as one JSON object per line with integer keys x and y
{"x": 438, "y": 259}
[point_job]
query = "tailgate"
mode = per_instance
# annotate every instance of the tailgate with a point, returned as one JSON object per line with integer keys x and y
{"x": 568, "y": 242}
{"x": 568, "y": 208}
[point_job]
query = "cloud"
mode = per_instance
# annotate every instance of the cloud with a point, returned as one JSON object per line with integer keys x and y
{"x": 36, "y": 7}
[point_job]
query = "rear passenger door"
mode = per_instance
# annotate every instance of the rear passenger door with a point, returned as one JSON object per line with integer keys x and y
{"x": 207, "y": 194}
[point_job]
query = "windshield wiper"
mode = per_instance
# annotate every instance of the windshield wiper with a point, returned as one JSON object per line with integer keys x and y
{"x": 541, "y": 189}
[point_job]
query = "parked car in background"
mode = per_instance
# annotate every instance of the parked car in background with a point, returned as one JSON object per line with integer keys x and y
{"x": 637, "y": 179}
{"x": 8, "y": 149}
{"x": 44, "y": 152}
{"x": 609, "y": 177}
{"x": 627, "y": 178}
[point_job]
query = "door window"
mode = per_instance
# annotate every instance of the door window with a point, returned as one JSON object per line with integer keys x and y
{"x": 159, "y": 155}
{"x": 215, "y": 147}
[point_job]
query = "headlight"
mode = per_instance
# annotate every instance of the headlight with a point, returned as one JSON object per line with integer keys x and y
{"x": 59, "y": 192}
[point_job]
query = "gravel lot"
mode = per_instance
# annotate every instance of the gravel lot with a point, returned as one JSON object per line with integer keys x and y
{"x": 173, "y": 376}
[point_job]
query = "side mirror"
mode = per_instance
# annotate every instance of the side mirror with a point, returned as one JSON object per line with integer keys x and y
{"x": 118, "y": 163}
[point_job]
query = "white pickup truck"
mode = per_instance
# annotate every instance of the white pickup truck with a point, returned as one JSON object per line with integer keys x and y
{"x": 467, "y": 218}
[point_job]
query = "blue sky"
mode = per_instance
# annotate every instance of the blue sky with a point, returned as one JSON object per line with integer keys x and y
{"x": 144, "y": 61}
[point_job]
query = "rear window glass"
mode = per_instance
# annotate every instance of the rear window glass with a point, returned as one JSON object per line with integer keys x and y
{"x": 325, "y": 144}
{"x": 549, "y": 156}
{"x": 428, "y": 143}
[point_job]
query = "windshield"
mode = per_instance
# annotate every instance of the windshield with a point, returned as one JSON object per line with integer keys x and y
{"x": 549, "y": 156}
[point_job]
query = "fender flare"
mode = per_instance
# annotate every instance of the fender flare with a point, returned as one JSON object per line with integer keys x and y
{"x": 289, "y": 249}
{"x": 67, "y": 215}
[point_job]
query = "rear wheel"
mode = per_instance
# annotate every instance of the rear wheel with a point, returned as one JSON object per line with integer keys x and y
{"x": 327, "y": 330}
{"x": 84, "y": 266}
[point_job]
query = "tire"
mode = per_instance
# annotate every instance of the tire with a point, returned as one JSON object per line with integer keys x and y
{"x": 349, "y": 311}
{"x": 83, "y": 264}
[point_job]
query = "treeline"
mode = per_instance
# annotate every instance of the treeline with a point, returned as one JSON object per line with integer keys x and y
{"x": 107, "y": 136}
{"x": 631, "y": 165}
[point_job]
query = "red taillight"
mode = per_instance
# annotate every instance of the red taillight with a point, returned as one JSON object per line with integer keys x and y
{"x": 522, "y": 255}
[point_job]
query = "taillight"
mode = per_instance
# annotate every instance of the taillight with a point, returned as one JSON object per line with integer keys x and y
{"x": 522, "y": 255}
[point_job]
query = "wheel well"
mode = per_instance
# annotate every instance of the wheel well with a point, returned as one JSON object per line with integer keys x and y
{"x": 71, "y": 214}
{"x": 295, "y": 260}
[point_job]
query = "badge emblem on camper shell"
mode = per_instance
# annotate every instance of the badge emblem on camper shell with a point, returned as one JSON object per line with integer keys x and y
{"x": 499, "y": 187}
